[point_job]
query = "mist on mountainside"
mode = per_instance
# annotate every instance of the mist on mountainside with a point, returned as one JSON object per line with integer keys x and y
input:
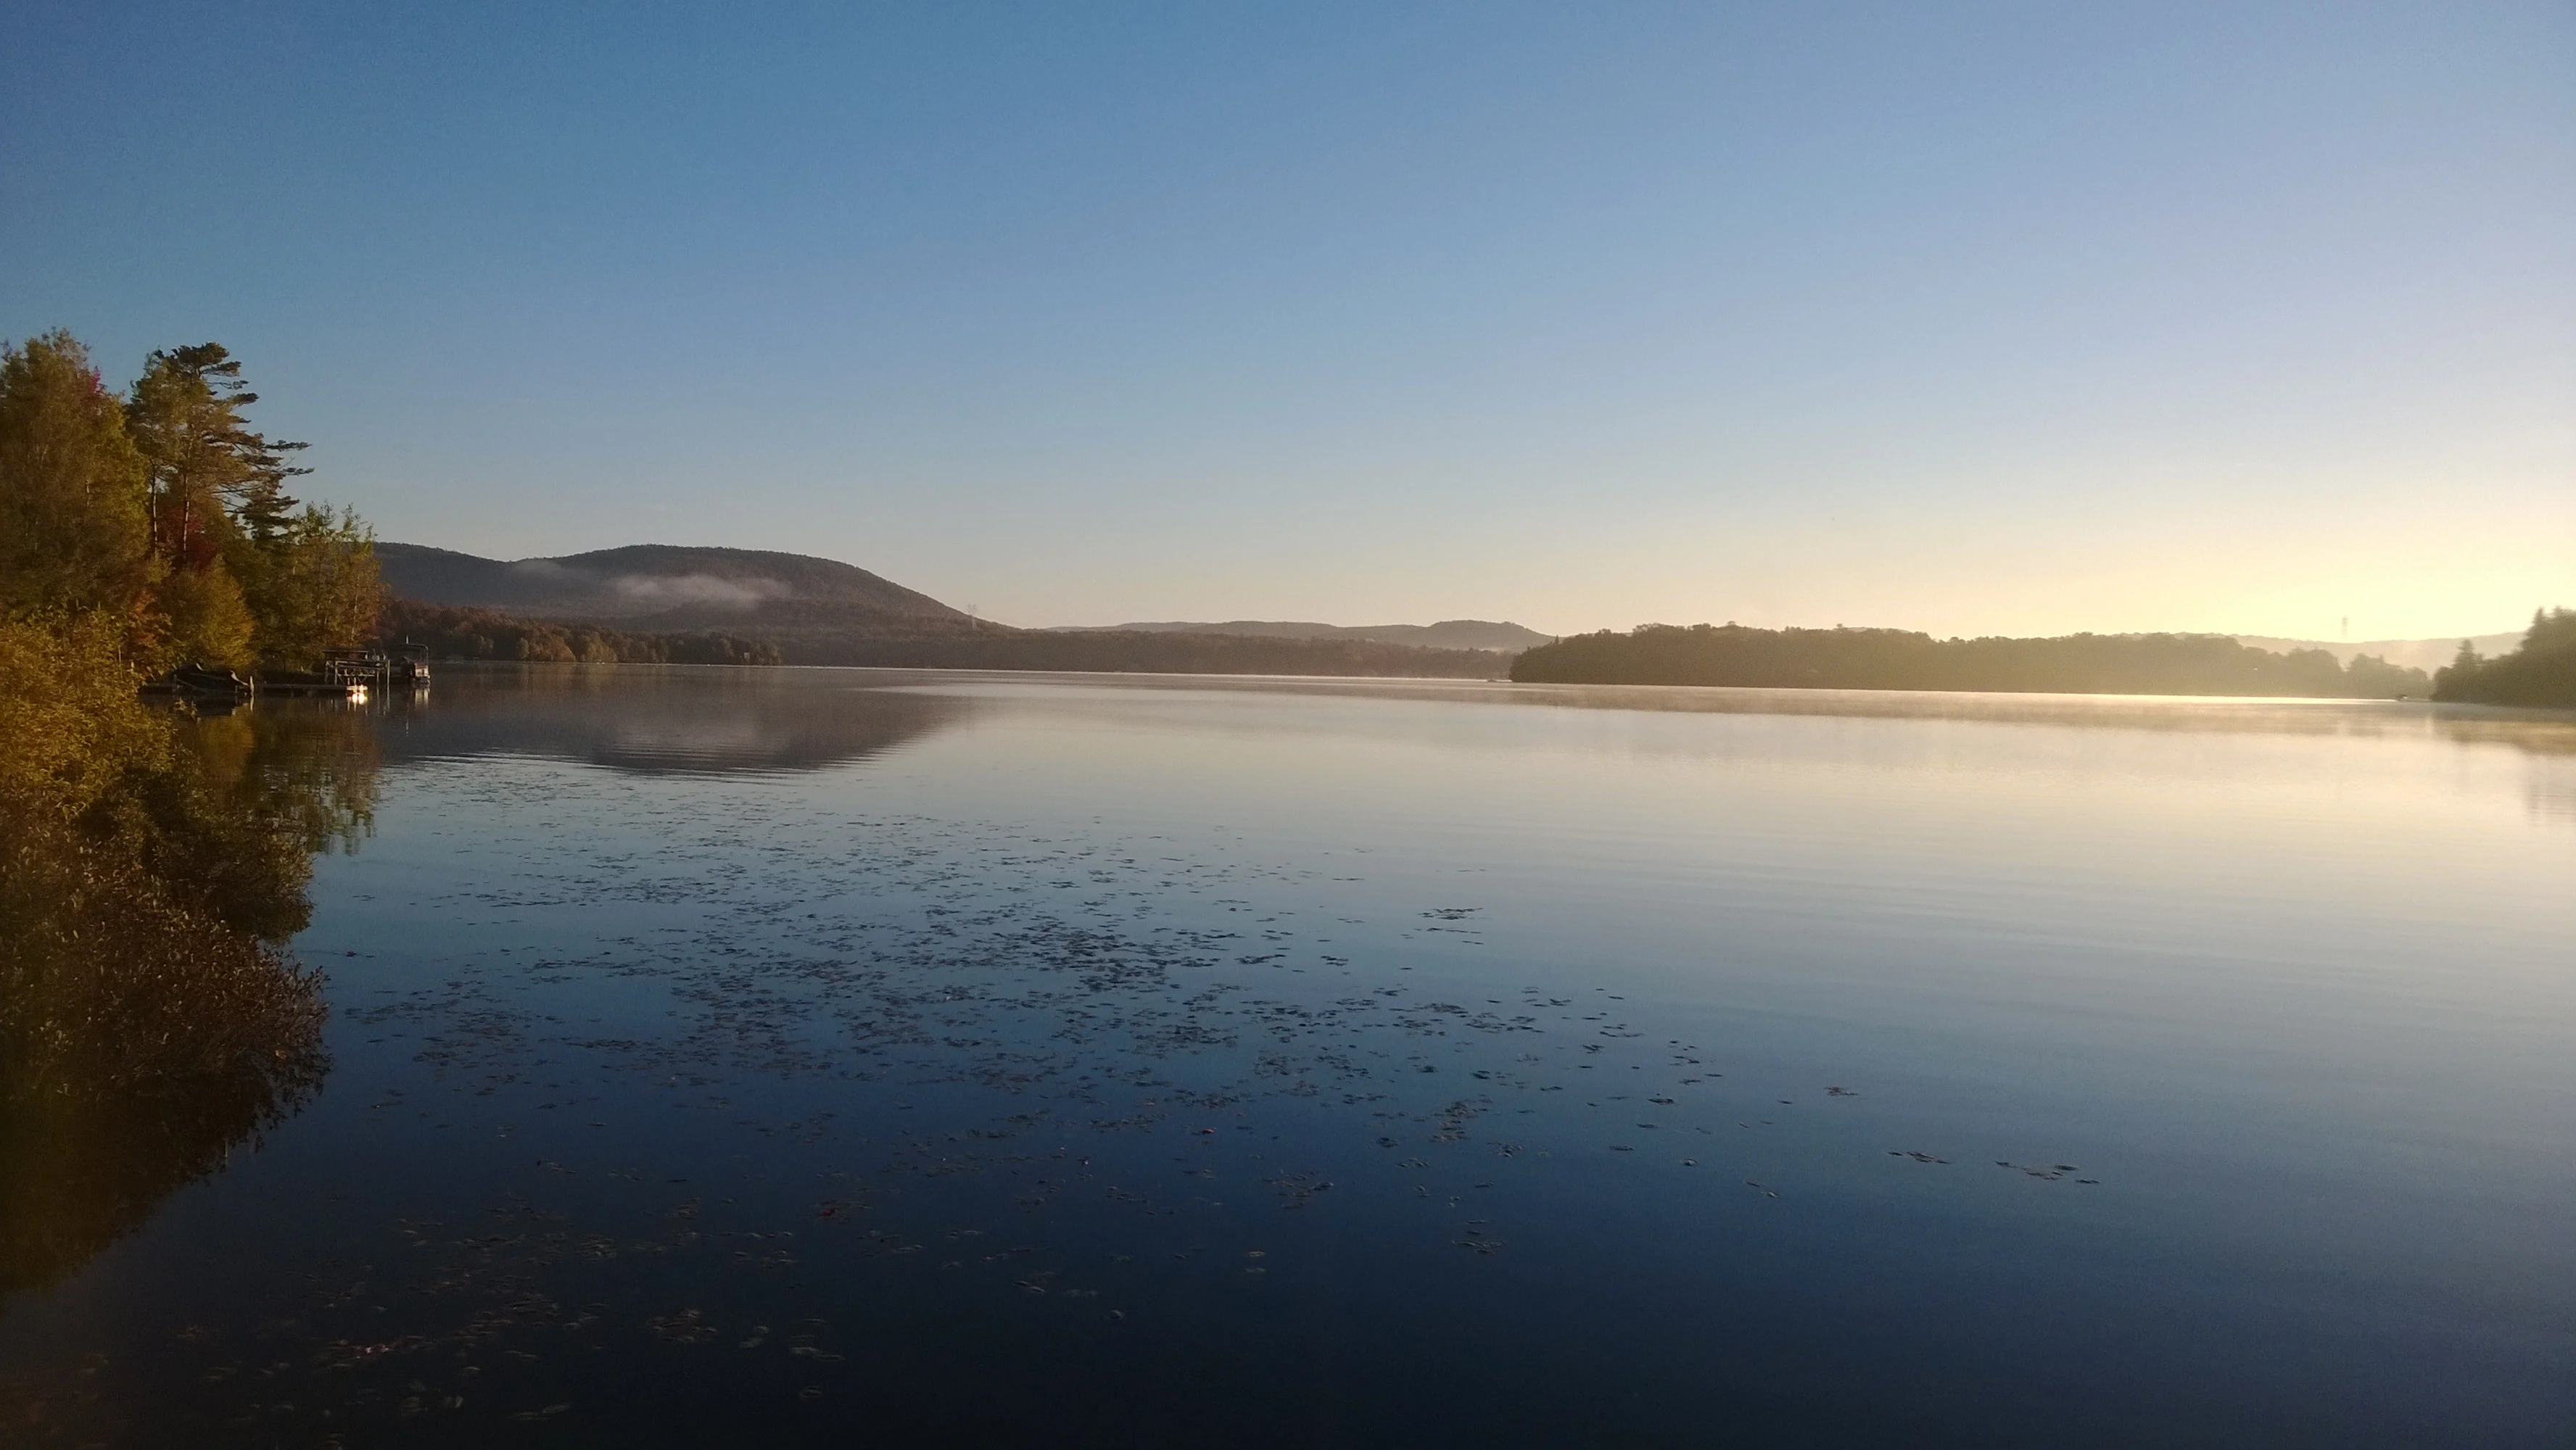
{"x": 669, "y": 605}
{"x": 669, "y": 587}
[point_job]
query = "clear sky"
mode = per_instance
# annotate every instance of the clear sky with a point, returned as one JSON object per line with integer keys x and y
{"x": 1972, "y": 318}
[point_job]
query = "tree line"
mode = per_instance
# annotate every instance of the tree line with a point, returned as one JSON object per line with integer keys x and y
{"x": 1143, "y": 652}
{"x": 162, "y": 508}
{"x": 466, "y": 632}
{"x": 456, "y": 632}
{"x": 1894, "y": 659}
{"x": 2540, "y": 671}
{"x": 152, "y": 868}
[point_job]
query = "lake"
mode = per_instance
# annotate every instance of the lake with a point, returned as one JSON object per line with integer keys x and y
{"x": 834, "y": 1056}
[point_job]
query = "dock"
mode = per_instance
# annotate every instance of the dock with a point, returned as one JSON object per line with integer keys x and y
{"x": 350, "y": 674}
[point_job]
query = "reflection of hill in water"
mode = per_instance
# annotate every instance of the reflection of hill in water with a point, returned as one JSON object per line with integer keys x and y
{"x": 663, "y": 719}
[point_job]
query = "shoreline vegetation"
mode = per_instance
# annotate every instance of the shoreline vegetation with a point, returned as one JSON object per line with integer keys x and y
{"x": 2540, "y": 672}
{"x": 1895, "y": 659}
{"x": 150, "y": 1016}
{"x": 161, "y": 509}
{"x": 464, "y": 632}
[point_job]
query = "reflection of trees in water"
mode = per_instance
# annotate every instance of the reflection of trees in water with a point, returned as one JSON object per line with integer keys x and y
{"x": 2544, "y": 733}
{"x": 2546, "y": 737}
{"x": 2553, "y": 797}
{"x": 151, "y": 1021}
{"x": 659, "y": 720}
{"x": 2533, "y": 732}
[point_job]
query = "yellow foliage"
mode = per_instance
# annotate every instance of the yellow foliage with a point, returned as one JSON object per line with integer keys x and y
{"x": 69, "y": 714}
{"x": 209, "y": 622}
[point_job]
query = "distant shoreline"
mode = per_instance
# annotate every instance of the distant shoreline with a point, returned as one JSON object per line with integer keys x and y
{"x": 1890, "y": 659}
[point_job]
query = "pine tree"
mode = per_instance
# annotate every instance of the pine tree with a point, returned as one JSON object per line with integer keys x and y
{"x": 306, "y": 577}
{"x": 212, "y": 478}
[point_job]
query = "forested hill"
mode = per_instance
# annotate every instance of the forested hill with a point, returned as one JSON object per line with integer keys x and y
{"x": 1894, "y": 659}
{"x": 450, "y": 632}
{"x": 660, "y": 603}
{"x": 667, "y": 587}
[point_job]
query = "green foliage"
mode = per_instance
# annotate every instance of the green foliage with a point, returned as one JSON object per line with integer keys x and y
{"x": 205, "y": 618}
{"x": 221, "y": 518}
{"x": 312, "y": 585}
{"x": 74, "y": 533}
{"x": 2541, "y": 672}
{"x": 1890, "y": 659}
{"x": 167, "y": 507}
{"x": 212, "y": 477}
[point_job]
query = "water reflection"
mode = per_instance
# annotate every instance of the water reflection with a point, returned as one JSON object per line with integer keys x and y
{"x": 152, "y": 1021}
{"x": 682, "y": 719}
{"x": 1313, "y": 1062}
{"x": 2540, "y": 732}
{"x": 660, "y": 720}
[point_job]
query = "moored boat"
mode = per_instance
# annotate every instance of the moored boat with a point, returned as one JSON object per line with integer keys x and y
{"x": 200, "y": 681}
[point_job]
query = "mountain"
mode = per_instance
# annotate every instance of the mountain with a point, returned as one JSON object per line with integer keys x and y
{"x": 1447, "y": 634}
{"x": 657, "y": 602}
{"x": 668, "y": 587}
{"x": 2419, "y": 654}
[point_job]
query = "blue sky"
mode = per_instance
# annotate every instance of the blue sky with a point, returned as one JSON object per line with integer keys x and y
{"x": 1972, "y": 318}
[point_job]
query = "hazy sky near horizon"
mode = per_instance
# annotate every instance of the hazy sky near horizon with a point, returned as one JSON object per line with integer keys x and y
{"x": 1972, "y": 317}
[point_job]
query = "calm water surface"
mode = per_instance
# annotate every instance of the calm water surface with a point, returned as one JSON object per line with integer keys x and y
{"x": 839, "y": 1057}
